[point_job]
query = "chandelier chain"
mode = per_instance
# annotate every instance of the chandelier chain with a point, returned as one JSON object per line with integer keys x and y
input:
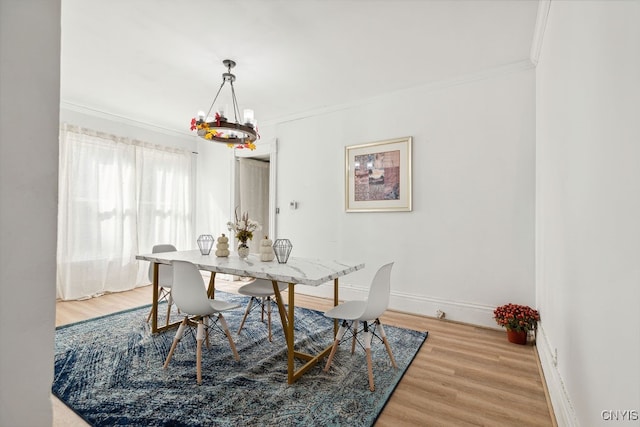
{"x": 215, "y": 99}
{"x": 236, "y": 109}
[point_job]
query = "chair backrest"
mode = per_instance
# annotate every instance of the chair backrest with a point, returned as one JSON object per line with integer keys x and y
{"x": 165, "y": 276}
{"x": 188, "y": 291}
{"x": 378, "y": 299}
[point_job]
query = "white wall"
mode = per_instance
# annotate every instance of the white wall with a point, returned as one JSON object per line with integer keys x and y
{"x": 30, "y": 96}
{"x": 468, "y": 244}
{"x": 588, "y": 209}
{"x": 214, "y": 188}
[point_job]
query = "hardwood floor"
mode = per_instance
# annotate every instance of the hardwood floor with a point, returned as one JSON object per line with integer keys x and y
{"x": 463, "y": 375}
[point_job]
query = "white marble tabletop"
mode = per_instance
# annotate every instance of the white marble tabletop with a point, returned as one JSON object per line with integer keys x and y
{"x": 306, "y": 271}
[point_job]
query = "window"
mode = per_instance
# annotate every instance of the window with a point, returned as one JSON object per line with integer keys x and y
{"x": 117, "y": 198}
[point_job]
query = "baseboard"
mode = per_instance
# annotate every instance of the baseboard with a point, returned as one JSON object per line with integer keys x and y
{"x": 562, "y": 407}
{"x": 475, "y": 314}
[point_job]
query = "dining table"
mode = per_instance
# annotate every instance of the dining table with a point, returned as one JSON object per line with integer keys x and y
{"x": 296, "y": 271}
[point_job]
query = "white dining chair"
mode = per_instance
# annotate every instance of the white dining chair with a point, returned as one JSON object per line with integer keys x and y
{"x": 260, "y": 291}
{"x": 165, "y": 279}
{"x": 190, "y": 296}
{"x": 368, "y": 312}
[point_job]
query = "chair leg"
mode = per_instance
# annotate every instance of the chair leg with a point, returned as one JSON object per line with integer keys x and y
{"x": 341, "y": 331}
{"x": 206, "y": 320}
{"x": 367, "y": 343}
{"x": 386, "y": 344}
{"x": 355, "y": 334}
{"x": 246, "y": 313}
{"x": 269, "y": 317}
{"x": 226, "y": 331}
{"x": 176, "y": 339}
{"x": 169, "y": 302}
{"x": 199, "y": 339}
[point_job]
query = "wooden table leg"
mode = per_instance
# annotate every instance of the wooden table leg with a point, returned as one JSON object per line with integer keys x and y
{"x": 288, "y": 325}
{"x": 291, "y": 341}
{"x": 288, "y": 331}
{"x": 211, "y": 290}
{"x": 335, "y": 303}
{"x": 154, "y": 303}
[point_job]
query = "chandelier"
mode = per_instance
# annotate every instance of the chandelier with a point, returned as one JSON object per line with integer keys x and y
{"x": 218, "y": 127}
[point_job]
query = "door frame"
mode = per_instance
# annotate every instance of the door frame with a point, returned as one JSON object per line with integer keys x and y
{"x": 264, "y": 150}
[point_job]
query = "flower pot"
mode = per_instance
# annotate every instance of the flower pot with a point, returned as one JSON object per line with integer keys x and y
{"x": 517, "y": 337}
{"x": 243, "y": 251}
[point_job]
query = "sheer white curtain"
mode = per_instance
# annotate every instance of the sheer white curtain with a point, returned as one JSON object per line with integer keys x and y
{"x": 165, "y": 191}
{"x": 252, "y": 195}
{"x": 117, "y": 197}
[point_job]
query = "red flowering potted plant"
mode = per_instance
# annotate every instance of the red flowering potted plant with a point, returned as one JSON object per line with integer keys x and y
{"x": 518, "y": 319}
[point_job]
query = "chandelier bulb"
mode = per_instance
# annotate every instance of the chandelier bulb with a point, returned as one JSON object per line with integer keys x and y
{"x": 248, "y": 117}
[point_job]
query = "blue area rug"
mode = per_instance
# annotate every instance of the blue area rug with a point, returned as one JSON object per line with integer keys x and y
{"x": 109, "y": 371}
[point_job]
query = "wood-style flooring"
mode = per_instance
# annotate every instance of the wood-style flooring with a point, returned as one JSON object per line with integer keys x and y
{"x": 464, "y": 375}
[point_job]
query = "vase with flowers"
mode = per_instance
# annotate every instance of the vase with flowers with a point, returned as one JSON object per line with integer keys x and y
{"x": 243, "y": 228}
{"x": 518, "y": 319}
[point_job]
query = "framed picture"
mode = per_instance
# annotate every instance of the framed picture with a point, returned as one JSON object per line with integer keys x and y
{"x": 378, "y": 176}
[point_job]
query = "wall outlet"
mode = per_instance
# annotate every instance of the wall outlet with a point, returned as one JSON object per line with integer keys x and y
{"x": 440, "y": 314}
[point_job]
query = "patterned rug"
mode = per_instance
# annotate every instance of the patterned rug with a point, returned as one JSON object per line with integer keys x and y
{"x": 109, "y": 371}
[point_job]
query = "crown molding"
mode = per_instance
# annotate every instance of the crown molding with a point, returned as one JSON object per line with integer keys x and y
{"x": 123, "y": 120}
{"x": 485, "y": 74}
{"x": 538, "y": 32}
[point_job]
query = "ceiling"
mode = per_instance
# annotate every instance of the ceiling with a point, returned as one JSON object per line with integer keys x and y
{"x": 158, "y": 62}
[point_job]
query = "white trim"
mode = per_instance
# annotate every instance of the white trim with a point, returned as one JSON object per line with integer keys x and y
{"x": 460, "y": 311}
{"x": 232, "y": 200}
{"x": 268, "y": 149}
{"x": 562, "y": 407}
{"x": 489, "y": 73}
{"x": 273, "y": 188}
{"x": 68, "y": 127}
{"x": 124, "y": 120}
{"x": 538, "y": 32}
{"x": 194, "y": 193}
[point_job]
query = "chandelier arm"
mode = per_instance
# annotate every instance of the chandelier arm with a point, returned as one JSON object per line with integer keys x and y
{"x": 215, "y": 99}
{"x": 236, "y": 109}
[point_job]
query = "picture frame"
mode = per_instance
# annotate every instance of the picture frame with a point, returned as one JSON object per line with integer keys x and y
{"x": 378, "y": 176}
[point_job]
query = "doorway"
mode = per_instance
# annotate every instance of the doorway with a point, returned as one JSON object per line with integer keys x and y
{"x": 254, "y": 189}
